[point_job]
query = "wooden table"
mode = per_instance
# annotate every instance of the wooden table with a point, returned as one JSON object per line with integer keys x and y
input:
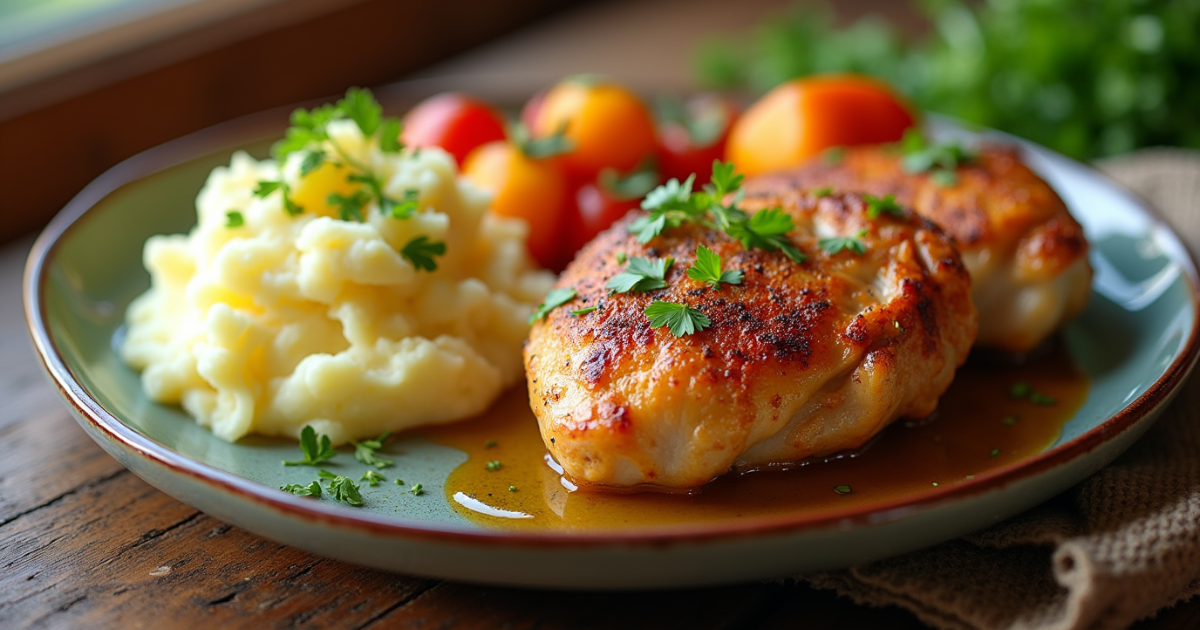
{"x": 86, "y": 544}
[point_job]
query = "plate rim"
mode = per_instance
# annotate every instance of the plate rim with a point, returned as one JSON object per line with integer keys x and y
{"x": 225, "y": 136}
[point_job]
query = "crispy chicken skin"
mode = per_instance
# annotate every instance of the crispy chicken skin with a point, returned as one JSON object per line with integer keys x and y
{"x": 1026, "y": 254}
{"x": 801, "y": 360}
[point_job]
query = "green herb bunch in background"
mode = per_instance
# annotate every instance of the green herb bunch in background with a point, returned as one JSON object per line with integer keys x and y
{"x": 1089, "y": 78}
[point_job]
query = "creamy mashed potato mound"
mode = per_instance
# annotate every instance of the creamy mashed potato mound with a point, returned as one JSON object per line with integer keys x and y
{"x": 290, "y": 321}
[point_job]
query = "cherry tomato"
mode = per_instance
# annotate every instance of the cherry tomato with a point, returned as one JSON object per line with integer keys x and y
{"x": 692, "y": 135}
{"x": 600, "y": 203}
{"x": 523, "y": 188}
{"x": 455, "y": 122}
{"x": 608, "y": 125}
{"x": 801, "y": 118}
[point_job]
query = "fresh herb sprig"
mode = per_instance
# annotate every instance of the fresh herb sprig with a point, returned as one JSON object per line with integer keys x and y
{"x": 642, "y": 274}
{"x": 680, "y": 319}
{"x": 367, "y": 451}
{"x": 836, "y": 244}
{"x": 707, "y": 268}
{"x": 309, "y": 134}
{"x": 341, "y": 488}
{"x": 554, "y": 299}
{"x": 940, "y": 160}
{"x": 311, "y": 490}
{"x": 878, "y": 206}
{"x": 373, "y": 478}
{"x": 315, "y": 451}
{"x": 675, "y": 203}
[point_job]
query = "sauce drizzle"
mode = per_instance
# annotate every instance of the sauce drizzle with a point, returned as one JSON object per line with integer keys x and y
{"x": 979, "y": 426}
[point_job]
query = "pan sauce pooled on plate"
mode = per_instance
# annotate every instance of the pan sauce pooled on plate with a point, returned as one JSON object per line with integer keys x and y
{"x": 309, "y": 304}
{"x": 791, "y": 360}
{"x": 1027, "y": 255}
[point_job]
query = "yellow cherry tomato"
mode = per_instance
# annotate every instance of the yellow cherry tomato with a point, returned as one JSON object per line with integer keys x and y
{"x": 523, "y": 188}
{"x": 608, "y": 125}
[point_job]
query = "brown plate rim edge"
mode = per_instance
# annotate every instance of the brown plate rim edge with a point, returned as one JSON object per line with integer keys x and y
{"x": 225, "y": 135}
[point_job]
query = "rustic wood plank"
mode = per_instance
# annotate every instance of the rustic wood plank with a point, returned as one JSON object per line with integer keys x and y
{"x": 120, "y": 550}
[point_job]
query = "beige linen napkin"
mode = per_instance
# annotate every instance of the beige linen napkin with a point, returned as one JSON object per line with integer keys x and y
{"x": 1117, "y": 548}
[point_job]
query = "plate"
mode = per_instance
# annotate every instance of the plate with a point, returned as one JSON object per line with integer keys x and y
{"x": 1137, "y": 341}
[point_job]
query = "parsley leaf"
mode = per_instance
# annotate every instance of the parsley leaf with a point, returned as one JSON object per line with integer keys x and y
{"x": 311, "y": 162}
{"x": 234, "y": 219}
{"x": 406, "y": 207}
{"x": 642, "y": 274}
{"x": 349, "y": 207}
{"x": 389, "y": 136}
{"x": 365, "y": 451}
{"x": 266, "y": 187}
{"x": 724, "y": 180}
{"x": 835, "y": 244}
{"x": 360, "y": 106}
{"x": 311, "y": 490}
{"x": 680, "y": 319}
{"x": 554, "y": 299}
{"x": 314, "y": 452}
{"x": 417, "y": 490}
{"x": 886, "y": 204}
{"x": 584, "y": 311}
{"x": 823, "y": 191}
{"x": 372, "y": 478}
{"x": 707, "y": 268}
{"x": 494, "y": 465}
{"x": 420, "y": 252}
{"x": 767, "y": 230}
{"x": 342, "y": 488}
{"x": 921, "y": 156}
{"x": 670, "y": 205}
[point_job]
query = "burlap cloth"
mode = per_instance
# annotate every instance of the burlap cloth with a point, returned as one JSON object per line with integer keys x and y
{"x": 1120, "y": 546}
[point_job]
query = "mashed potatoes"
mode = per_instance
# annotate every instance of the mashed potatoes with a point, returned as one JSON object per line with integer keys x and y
{"x": 286, "y": 321}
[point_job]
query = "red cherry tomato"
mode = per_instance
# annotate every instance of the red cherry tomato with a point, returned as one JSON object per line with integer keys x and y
{"x": 692, "y": 135}
{"x": 455, "y": 122}
{"x": 600, "y": 203}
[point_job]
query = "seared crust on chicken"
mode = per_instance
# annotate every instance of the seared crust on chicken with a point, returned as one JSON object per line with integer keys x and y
{"x": 1026, "y": 254}
{"x": 801, "y": 360}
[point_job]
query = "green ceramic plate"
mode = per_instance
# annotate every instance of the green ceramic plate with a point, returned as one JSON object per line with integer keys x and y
{"x": 1136, "y": 341}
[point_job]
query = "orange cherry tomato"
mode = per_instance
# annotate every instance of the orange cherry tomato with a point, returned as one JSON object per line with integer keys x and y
{"x": 608, "y": 125}
{"x": 801, "y": 118}
{"x": 692, "y": 135}
{"x": 455, "y": 122}
{"x": 523, "y": 188}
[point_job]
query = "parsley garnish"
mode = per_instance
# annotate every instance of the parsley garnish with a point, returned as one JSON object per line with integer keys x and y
{"x": 939, "y": 160}
{"x": 642, "y": 274}
{"x": 311, "y": 490}
{"x": 707, "y": 268}
{"x": 420, "y": 253}
{"x": 314, "y": 452}
{"x": 311, "y": 162}
{"x": 886, "y": 204}
{"x": 1025, "y": 390}
{"x": 584, "y": 311}
{"x": 995, "y": 452}
{"x": 417, "y": 490}
{"x": 554, "y": 299}
{"x": 490, "y": 444}
{"x": 372, "y": 478}
{"x": 342, "y": 488}
{"x": 234, "y": 219}
{"x": 823, "y": 191}
{"x": 512, "y": 488}
{"x": 399, "y": 482}
{"x": 365, "y": 451}
{"x": 494, "y": 465}
{"x": 621, "y": 257}
{"x": 843, "y": 489}
{"x": 680, "y": 319}
{"x": 349, "y": 206}
{"x": 266, "y": 187}
{"x": 835, "y": 244}
{"x": 833, "y": 156}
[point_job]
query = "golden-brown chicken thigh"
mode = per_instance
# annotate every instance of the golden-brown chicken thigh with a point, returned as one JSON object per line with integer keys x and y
{"x": 800, "y": 360}
{"x": 1026, "y": 254}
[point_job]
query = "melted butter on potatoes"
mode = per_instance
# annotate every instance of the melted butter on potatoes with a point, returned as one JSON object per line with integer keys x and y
{"x": 310, "y": 320}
